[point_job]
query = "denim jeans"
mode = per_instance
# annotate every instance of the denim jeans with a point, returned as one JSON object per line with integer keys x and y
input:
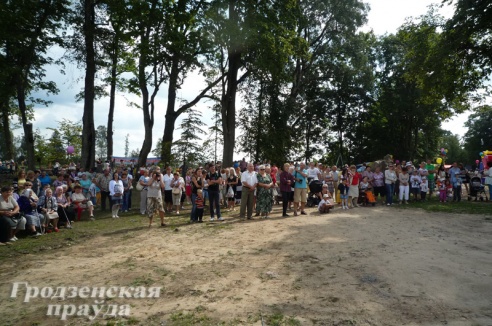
{"x": 126, "y": 199}
{"x": 390, "y": 190}
{"x": 457, "y": 193}
{"x": 193, "y": 216}
{"x": 214, "y": 200}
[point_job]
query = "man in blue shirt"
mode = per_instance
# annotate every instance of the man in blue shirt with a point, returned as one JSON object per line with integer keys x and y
{"x": 300, "y": 188}
{"x": 44, "y": 179}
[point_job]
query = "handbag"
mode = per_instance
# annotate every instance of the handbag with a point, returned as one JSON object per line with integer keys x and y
{"x": 176, "y": 191}
{"x": 274, "y": 192}
{"x": 139, "y": 186}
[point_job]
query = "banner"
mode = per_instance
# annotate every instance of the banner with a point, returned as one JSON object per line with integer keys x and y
{"x": 130, "y": 160}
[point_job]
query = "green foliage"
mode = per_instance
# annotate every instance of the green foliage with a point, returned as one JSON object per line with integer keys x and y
{"x": 417, "y": 90}
{"x": 468, "y": 34}
{"x": 479, "y": 135}
{"x": 456, "y": 152}
{"x": 188, "y": 146}
{"x": 101, "y": 142}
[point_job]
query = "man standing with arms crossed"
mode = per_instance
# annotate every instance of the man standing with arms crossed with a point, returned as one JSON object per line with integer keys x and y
{"x": 214, "y": 179}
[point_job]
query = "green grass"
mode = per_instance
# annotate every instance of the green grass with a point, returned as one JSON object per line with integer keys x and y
{"x": 462, "y": 207}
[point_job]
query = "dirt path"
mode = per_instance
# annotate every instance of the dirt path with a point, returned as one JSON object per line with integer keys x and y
{"x": 367, "y": 266}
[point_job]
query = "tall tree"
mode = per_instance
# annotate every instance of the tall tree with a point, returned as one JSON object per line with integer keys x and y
{"x": 184, "y": 51}
{"x": 127, "y": 145}
{"x": 23, "y": 56}
{"x": 189, "y": 144}
{"x": 251, "y": 35}
{"x": 145, "y": 20}
{"x": 89, "y": 132}
{"x": 479, "y": 134}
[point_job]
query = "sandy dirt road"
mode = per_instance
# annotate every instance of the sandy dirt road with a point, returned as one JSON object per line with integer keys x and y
{"x": 366, "y": 266}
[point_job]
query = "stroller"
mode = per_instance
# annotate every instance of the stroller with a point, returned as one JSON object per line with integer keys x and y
{"x": 366, "y": 197}
{"x": 477, "y": 189}
{"x": 315, "y": 187}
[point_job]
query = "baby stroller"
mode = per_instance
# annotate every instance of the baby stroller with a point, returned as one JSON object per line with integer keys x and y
{"x": 315, "y": 188}
{"x": 366, "y": 197}
{"x": 477, "y": 189}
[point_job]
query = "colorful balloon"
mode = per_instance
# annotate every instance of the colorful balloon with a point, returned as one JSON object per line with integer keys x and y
{"x": 70, "y": 150}
{"x": 477, "y": 161}
{"x": 439, "y": 160}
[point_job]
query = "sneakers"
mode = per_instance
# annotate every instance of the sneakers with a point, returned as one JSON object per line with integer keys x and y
{"x": 93, "y": 219}
{"x": 177, "y": 213}
{"x": 212, "y": 219}
{"x": 220, "y": 219}
{"x": 285, "y": 215}
{"x": 116, "y": 216}
{"x": 388, "y": 204}
{"x": 12, "y": 240}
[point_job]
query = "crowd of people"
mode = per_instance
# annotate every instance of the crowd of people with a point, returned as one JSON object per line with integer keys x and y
{"x": 36, "y": 203}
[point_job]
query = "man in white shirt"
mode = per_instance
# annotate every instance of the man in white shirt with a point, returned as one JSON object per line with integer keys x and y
{"x": 249, "y": 182}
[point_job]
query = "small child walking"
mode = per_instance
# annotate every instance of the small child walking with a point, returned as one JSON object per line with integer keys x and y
{"x": 199, "y": 202}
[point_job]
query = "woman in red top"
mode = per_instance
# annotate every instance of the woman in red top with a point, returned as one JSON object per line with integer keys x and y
{"x": 353, "y": 193}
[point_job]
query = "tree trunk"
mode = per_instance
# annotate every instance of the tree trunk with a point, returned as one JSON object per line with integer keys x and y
{"x": 228, "y": 109}
{"x": 112, "y": 98}
{"x": 147, "y": 143}
{"x": 28, "y": 135}
{"x": 88, "y": 129}
{"x": 259, "y": 126}
{"x": 171, "y": 115}
{"x": 8, "y": 141}
{"x": 146, "y": 106}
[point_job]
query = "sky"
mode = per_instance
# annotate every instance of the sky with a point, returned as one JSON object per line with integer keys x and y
{"x": 385, "y": 16}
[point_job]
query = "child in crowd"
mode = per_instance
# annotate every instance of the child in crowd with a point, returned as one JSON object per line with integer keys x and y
{"x": 93, "y": 191}
{"x": 364, "y": 184}
{"x": 325, "y": 204}
{"x": 415, "y": 181}
{"x": 442, "y": 191}
{"x": 199, "y": 202}
{"x": 424, "y": 188}
{"x": 449, "y": 189}
{"x": 343, "y": 189}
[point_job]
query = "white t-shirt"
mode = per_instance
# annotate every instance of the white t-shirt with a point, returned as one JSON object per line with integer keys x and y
{"x": 167, "y": 179}
{"x": 313, "y": 173}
